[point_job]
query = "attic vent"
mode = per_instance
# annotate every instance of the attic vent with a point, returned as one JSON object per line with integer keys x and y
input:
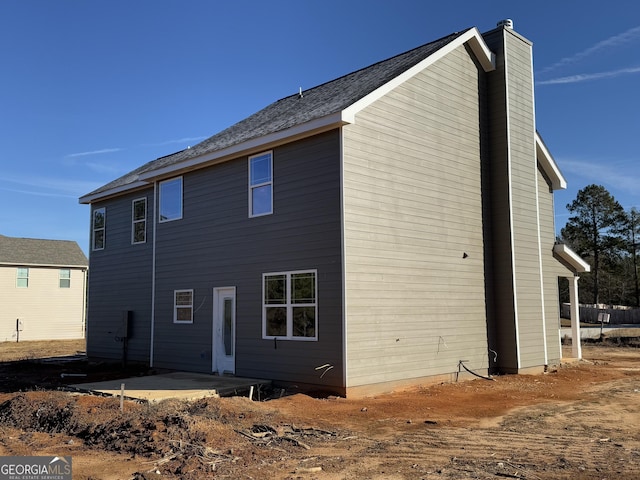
{"x": 506, "y": 23}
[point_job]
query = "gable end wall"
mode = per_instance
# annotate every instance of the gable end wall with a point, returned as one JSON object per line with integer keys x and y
{"x": 415, "y": 296}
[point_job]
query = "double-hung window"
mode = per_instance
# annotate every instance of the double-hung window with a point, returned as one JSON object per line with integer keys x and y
{"x": 98, "y": 227}
{"x": 65, "y": 278}
{"x": 261, "y": 184}
{"x": 290, "y": 307}
{"x": 22, "y": 277}
{"x": 139, "y": 221}
{"x": 183, "y": 306}
{"x": 170, "y": 201}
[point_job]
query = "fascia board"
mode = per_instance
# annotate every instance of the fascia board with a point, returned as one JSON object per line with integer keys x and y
{"x": 549, "y": 165}
{"x": 472, "y": 37}
{"x": 303, "y": 130}
{"x": 88, "y": 199}
{"x": 571, "y": 257}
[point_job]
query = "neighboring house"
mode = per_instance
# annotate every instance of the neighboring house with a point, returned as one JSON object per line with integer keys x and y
{"x": 42, "y": 289}
{"x": 371, "y": 232}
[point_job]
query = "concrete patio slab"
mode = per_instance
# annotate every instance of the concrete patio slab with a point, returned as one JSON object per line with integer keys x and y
{"x": 179, "y": 385}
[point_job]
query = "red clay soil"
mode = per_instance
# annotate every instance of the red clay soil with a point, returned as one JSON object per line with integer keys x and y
{"x": 577, "y": 422}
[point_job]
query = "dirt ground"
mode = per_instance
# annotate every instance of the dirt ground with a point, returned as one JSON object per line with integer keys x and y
{"x": 579, "y": 421}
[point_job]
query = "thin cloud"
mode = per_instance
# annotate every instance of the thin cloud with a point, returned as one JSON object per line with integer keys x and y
{"x": 611, "y": 42}
{"x": 38, "y": 193}
{"x": 94, "y": 152}
{"x": 47, "y": 186}
{"x": 623, "y": 177}
{"x": 585, "y": 77}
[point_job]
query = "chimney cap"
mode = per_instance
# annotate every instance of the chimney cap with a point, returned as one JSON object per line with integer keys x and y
{"x": 506, "y": 23}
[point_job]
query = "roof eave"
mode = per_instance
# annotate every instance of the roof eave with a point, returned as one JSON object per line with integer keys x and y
{"x": 307, "y": 129}
{"x": 571, "y": 258}
{"x": 43, "y": 265}
{"x": 549, "y": 165}
{"x": 92, "y": 197}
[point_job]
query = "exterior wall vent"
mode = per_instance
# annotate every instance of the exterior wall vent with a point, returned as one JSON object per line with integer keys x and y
{"x": 506, "y": 23}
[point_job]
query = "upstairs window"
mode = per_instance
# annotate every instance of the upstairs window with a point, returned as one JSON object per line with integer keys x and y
{"x": 65, "y": 278}
{"x": 139, "y": 221}
{"x": 99, "y": 215}
{"x": 290, "y": 306}
{"x": 261, "y": 184}
{"x": 22, "y": 277}
{"x": 183, "y": 306}
{"x": 170, "y": 200}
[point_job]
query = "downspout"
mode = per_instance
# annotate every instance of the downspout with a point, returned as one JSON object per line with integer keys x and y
{"x": 153, "y": 276}
{"x": 344, "y": 264}
{"x": 84, "y": 303}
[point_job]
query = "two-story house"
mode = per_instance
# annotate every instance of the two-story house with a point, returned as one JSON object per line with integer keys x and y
{"x": 42, "y": 289}
{"x": 374, "y": 231}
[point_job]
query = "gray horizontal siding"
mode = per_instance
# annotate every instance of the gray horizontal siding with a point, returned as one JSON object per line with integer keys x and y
{"x": 216, "y": 245}
{"x": 413, "y": 207}
{"x": 120, "y": 279}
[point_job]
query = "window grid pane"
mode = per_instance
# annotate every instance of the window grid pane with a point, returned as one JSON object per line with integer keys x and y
{"x": 275, "y": 289}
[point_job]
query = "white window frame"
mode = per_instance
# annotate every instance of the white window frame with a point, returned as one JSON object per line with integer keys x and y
{"x": 289, "y": 305}
{"x": 102, "y": 229}
{"x": 164, "y": 182}
{"x": 257, "y": 185}
{"x": 24, "y": 276}
{"x": 135, "y": 221}
{"x": 176, "y": 307}
{"x": 62, "y": 278}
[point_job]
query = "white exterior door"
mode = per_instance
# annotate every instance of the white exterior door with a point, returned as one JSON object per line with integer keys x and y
{"x": 224, "y": 330}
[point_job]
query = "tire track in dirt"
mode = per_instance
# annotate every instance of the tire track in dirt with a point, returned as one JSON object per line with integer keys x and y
{"x": 495, "y": 452}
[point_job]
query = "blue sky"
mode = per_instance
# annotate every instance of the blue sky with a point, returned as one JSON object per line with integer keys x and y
{"x": 90, "y": 90}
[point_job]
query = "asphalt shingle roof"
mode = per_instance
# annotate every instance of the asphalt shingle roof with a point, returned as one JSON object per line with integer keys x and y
{"x": 317, "y": 102}
{"x": 33, "y": 251}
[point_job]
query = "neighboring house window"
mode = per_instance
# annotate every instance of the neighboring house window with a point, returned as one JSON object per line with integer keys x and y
{"x": 22, "y": 277}
{"x": 261, "y": 184}
{"x": 65, "y": 278}
{"x": 99, "y": 215}
{"x": 183, "y": 306}
{"x": 290, "y": 305}
{"x": 170, "y": 200}
{"x": 139, "y": 221}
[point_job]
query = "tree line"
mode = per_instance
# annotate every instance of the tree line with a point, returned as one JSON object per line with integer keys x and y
{"x": 607, "y": 236}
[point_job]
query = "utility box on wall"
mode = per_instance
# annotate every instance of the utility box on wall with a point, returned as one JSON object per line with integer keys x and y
{"x": 127, "y": 321}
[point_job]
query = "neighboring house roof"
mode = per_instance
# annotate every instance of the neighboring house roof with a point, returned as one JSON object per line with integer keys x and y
{"x": 37, "y": 252}
{"x": 318, "y": 109}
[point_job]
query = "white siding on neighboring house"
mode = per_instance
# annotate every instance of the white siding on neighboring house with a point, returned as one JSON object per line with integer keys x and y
{"x": 47, "y": 311}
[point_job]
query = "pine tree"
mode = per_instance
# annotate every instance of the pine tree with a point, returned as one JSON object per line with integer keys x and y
{"x": 595, "y": 229}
